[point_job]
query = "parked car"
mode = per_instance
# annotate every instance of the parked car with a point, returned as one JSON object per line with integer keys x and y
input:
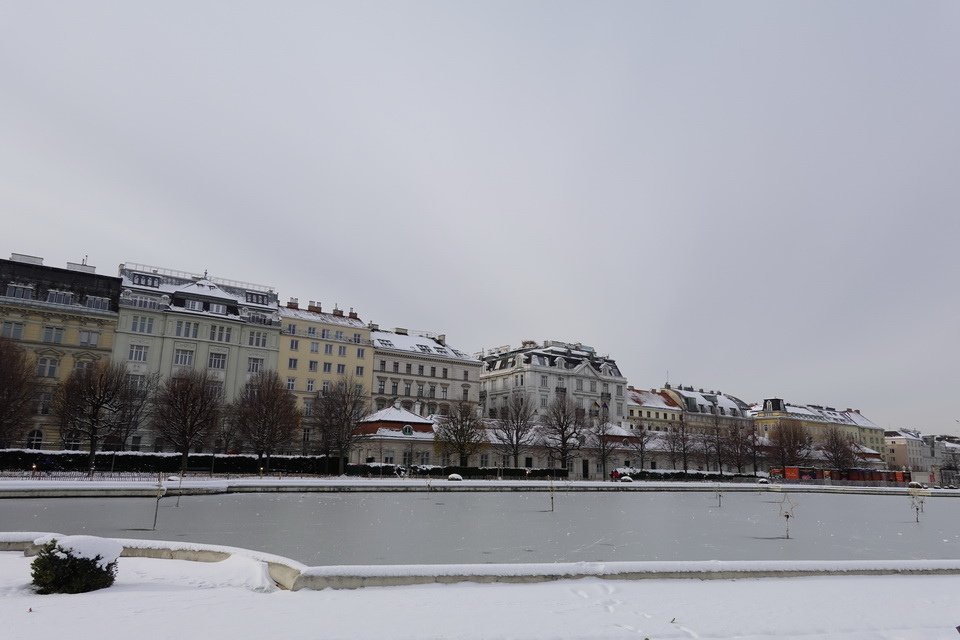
{"x": 914, "y": 485}
{"x": 763, "y": 481}
{"x": 454, "y": 477}
{"x": 626, "y": 479}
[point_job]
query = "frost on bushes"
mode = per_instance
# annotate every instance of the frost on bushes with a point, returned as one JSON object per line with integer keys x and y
{"x": 75, "y": 564}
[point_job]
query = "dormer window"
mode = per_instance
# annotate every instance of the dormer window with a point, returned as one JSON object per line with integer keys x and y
{"x": 218, "y": 308}
{"x": 20, "y": 291}
{"x": 59, "y": 297}
{"x": 145, "y": 280}
{"x": 193, "y": 305}
{"x": 256, "y": 298}
{"x": 407, "y": 430}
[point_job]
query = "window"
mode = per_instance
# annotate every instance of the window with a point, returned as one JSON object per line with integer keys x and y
{"x": 579, "y": 384}
{"x": 328, "y": 349}
{"x": 220, "y": 333}
{"x": 423, "y": 348}
{"x": 294, "y": 344}
{"x": 424, "y": 457}
{"x": 619, "y": 408}
{"x": 433, "y": 391}
{"x": 138, "y": 353}
{"x": 543, "y": 402}
{"x": 217, "y": 361}
{"x": 327, "y": 367}
{"x": 292, "y": 363}
{"x": 183, "y": 357}
{"x": 257, "y": 339}
{"x": 409, "y": 368}
{"x": 338, "y": 335}
{"x": 47, "y": 367}
{"x": 145, "y": 281}
{"x": 466, "y": 375}
{"x": 386, "y": 343}
{"x": 443, "y": 392}
{"x": 312, "y": 331}
{"x": 59, "y": 297}
{"x": 381, "y": 384}
{"x": 406, "y": 389}
{"x": 544, "y": 381}
{"x": 24, "y": 292}
{"x": 292, "y": 329}
{"x": 44, "y": 403}
{"x": 314, "y": 347}
{"x": 144, "y": 302}
{"x": 420, "y": 369}
{"x": 325, "y": 334}
{"x": 313, "y": 366}
{"x": 593, "y": 385}
{"x": 359, "y": 371}
{"x": 310, "y": 384}
{"x": 420, "y": 390}
{"x": 158, "y": 445}
{"x": 444, "y": 373}
{"x": 82, "y": 365}
{"x": 135, "y": 442}
{"x": 186, "y": 329}
{"x": 356, "y": 337}
{"x": 255, "y": 298}
{"x": 619, "y": 390}
{"x": 89, "y": 338}
{"x": 484, "y": 459}
{"x": 96, "y": 302}
{"x": 326, "y": 386}
{"x": 396, "y": 367}
{"x": 360, "y": 352}
{"x": 466, "y": 394}
{"x": 383, "y": 365}
{"x": 216, "y": 307}
{"x": 53, "y": 335}
{"x": 291, "y": 384}
{"x": 433, "y": 372}
{"x": 193, "y": 305}
{"x": 35, "y": 439}
{"x": 141, "y": 324}
{"x": 12, "y": 330}
{"x": 342, "y": 351}
{"x": 341, "y": 369}
{"x": 393, "y": 388}
{"x": 254, "y": 365}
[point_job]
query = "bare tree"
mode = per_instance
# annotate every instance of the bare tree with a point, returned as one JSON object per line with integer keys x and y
{"x": 91, "y": 403}
{"x": 680, "y": 444}
{"x": 562, "y": 431}
{"x": 265, "y": 415}
{"x": 737, "y": 446}
{"x": 600, "y": 440}
{"x": 640, "y": 442}
{"x": 186, "y": 409}
{"x": 756, "y": 448}
{"x": 462, "y": 433}
{"x": 336, "y": 413}
{"x": 17, "y": 391}
{"x": 138, "y": 395}
{"x": 789, "y": 444}
{"x": 514, "y": 431}
{"x": 838, "y": 448}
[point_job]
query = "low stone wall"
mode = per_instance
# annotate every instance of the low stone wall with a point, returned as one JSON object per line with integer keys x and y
{"x": 291, "y": 575}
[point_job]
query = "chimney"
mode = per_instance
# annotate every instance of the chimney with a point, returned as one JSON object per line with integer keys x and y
{"x": 337, "y": 311}
{"x": 314, "y": 306}
{"x": 442, "y": 339}
{"x": 416, "y": 407}
{"x": 293, "y": 303}
{"x": 401, "y": 331}
{"x": 22, "y": 257}
{"x": 373, "y": 326}
{"x": 81, "y": 266}
{"x": 396, "y": 403}
{"x": 353, "y": 314}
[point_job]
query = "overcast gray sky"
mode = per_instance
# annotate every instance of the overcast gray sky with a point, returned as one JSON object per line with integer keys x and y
{"x": 758, "y": 197}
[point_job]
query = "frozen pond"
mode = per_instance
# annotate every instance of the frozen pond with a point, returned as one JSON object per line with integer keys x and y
{"x": 417, "y": 528}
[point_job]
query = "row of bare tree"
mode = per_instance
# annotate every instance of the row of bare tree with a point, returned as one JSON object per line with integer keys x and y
{"x": 103, "y": 402}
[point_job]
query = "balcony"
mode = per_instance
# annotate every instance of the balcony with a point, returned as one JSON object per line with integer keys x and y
{"x": 604, "y": 397}
{"x": 562, "y": 390}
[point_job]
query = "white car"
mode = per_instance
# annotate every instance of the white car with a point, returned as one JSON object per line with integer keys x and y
{"x": 763, "y": 481}
{"x": 454, "y": 477}
{"x": 626, "y": 479}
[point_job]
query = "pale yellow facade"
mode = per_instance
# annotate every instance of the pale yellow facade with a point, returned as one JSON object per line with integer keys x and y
{"x": 318, "y": 350}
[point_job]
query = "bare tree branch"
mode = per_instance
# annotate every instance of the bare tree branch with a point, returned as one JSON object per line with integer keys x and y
{"x": 18, "y": 390}
{"x": 265, "y": 415}
{"x": 186, "y": 409}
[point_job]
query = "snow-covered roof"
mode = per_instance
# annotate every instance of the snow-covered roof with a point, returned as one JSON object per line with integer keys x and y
{"x": 320, "y": 316}
{"x": 650, "y": 399}
{"x": 711, "y": 399}
{"x": 420, "y": 344}
{"x": 396, "y": 414}
{"x": 848, "y": 417}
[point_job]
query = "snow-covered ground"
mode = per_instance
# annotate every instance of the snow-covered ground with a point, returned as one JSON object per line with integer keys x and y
{"x": 165, "y": 599}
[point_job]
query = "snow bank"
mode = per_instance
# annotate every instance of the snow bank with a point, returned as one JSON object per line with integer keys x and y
{"x": 103, "y": 550}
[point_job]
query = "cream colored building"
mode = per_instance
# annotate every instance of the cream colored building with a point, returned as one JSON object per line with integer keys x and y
{"x": 65, "y": 319}
{"x": 318, "y": 350}
{"x": 173, "y": 321}
{"x": 816, "y": 419}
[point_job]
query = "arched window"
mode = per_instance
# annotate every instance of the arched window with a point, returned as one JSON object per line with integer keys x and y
{"x": 72, "y": 441}
{"x": 35, "y": 439}
{"x": 407, "y": 430}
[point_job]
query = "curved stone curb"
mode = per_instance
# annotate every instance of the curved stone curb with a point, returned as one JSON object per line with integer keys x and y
{"x": 293, "y": 576}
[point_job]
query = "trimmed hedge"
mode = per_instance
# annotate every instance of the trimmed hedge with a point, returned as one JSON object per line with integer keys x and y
{"x": 692, "y": 476}
{"x": 142, "y": 462}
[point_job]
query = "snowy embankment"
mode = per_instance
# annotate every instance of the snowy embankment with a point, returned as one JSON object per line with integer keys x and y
{"x": 162, "y": 599}
{"x": 172, "y": 485}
